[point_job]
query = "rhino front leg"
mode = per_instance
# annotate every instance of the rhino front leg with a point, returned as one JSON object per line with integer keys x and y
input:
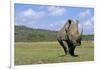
{"x": 66, "y": 47}
{"x": 63, "y": 46}
{"x": 71, "y": 51}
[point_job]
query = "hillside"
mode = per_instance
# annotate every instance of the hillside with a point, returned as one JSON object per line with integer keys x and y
{"x": 25, "y": 34}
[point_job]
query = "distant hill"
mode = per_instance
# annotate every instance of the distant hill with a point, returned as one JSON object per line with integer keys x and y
{"x": 25, "y": 34}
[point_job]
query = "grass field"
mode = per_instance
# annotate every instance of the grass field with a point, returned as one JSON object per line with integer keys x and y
{"x": 50, "y": 52}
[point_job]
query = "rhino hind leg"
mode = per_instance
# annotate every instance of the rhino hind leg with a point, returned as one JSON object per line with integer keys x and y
{"x": 63, "y": 46}
{"x": 71, "y": 51}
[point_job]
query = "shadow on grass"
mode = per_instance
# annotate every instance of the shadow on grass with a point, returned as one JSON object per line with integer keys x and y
{"x": 61, "y": 55}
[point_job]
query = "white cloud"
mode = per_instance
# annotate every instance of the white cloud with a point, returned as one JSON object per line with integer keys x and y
{"x": 89, "y": 22}
{"x": 29, "y": 12}
{"x": 88, "y": 26}
{"x": 42, "y": 25}
{"x": 56, "y": 11}
{"x": 28, "y": 17}
{"x": 33, "y": 14}
{"x": 51, "y": 25}
{"x": 84, "y": 13}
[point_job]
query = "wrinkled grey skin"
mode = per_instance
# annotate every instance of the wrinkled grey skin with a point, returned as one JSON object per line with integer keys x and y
{"x": 69, "y": 37}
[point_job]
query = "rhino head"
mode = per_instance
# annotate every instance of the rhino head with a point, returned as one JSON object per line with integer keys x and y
{"x": 72, "y": 32}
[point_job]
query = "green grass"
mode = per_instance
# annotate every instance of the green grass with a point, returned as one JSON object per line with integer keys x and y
{"x": 50, "y": 52}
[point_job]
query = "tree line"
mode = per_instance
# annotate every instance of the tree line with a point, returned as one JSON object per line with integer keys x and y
{"x": 25, "y": 34}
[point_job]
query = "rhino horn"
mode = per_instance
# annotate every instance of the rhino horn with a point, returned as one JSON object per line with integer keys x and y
{"x": 81, "y": 32}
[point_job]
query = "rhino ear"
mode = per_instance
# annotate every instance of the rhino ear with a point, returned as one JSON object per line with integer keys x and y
{"x": 67, "y": 26}
{"x": 69, "y": 23}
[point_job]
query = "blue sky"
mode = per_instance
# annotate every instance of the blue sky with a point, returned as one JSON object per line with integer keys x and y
{"x": 53, "y": 17}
